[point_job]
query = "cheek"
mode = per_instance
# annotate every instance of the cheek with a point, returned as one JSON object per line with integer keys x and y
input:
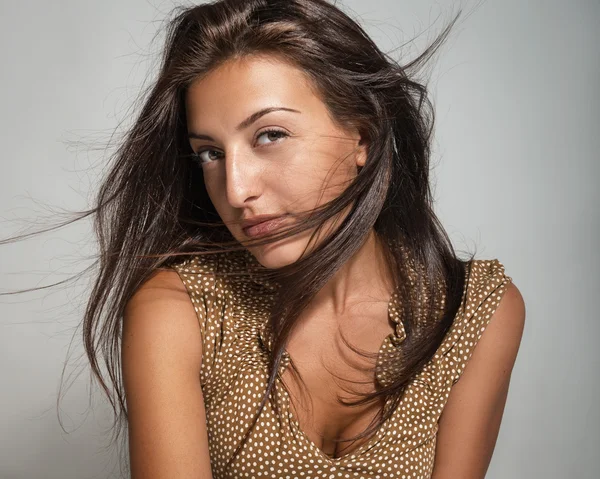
{"x": 324, "y": 181}
{"x": 297, "y": 188}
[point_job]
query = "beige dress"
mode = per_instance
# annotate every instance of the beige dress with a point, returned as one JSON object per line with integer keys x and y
{"x": 233, "y": 311}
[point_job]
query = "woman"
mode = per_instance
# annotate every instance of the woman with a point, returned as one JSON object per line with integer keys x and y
{"x": 336, "y": 340}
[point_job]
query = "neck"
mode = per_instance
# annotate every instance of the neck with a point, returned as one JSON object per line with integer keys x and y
{"x": 364, "y": 275}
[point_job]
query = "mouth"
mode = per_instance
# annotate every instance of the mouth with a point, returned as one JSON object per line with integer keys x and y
{"x": 264, "y": 227}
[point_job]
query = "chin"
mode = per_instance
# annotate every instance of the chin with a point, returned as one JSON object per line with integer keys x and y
{"x": 277, "y": 255}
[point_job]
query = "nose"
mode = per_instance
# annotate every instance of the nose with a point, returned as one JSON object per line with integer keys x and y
{"x": 242, "y": 177}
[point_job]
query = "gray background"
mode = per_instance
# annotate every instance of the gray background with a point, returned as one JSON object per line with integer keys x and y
{"x": 516, "y": 162}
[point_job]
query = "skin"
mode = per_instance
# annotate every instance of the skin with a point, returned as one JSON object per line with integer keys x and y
{"x": 248, "y": 172}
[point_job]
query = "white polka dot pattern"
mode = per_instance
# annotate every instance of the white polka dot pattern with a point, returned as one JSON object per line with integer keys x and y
{"x": 233, "y": 312}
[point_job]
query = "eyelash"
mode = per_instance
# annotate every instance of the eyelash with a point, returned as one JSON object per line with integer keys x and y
{"x": 196, "y": 156}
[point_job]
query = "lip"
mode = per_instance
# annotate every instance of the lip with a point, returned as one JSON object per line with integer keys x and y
{"x": 261, "y": 225}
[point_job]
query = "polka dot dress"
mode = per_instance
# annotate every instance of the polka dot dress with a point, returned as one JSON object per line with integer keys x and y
{"x": 233, "y": 311}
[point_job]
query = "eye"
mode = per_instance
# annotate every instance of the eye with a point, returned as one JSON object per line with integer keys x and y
{"x": 276, "y": 133}
{"x": 272, "y": 134}
{"x": 201, "y": 158}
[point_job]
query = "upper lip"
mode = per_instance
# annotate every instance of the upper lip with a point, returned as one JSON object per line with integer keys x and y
{"x": 254, "y": 220}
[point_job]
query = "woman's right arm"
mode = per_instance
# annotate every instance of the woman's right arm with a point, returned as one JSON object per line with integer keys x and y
{"x": 161, "y": 358}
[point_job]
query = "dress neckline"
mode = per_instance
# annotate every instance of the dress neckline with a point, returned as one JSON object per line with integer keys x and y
{"x": 390, "y": 345}
{"x": 300, "y": 435}
{"x": 390, "y": 352}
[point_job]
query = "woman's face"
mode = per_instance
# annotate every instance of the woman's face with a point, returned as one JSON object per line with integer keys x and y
{"x": 282, "y": 161}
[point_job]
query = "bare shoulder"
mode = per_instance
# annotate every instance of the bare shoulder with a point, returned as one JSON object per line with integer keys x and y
{"x": 161, "y": 315}
{"x": 499, "y": 344}
{"x": 470, "y": 421}
{"x": 161, "y": 359}
{"x": 165, "y": 282}
{"x": 508, "y": 321}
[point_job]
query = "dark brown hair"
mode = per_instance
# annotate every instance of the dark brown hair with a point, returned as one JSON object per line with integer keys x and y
{"x": 152, "y": 208}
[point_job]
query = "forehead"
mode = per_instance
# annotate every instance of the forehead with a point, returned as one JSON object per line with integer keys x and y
{"x": 253, "y": 81}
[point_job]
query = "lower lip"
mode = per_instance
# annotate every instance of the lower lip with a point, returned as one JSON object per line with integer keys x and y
{"x": 264, "y": 228}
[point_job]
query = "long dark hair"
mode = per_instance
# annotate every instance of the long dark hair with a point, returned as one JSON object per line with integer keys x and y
{"x": 152, "y": 208}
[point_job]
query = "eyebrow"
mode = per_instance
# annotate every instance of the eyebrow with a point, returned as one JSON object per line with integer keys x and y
{"x": 247, "y": 122}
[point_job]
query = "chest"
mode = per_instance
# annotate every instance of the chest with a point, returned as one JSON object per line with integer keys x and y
{"x": 331, "y": 370}
{"x": 301, "y": 436}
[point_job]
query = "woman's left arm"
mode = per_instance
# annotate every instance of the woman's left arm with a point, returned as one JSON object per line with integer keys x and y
{"x": 470, "y": 421}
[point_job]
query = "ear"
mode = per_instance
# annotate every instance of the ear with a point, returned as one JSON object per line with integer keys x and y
{"x": 361, "y": 153}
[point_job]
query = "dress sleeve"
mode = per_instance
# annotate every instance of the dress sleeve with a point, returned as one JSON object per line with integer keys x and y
{"x": 485, "y": 286}
{"x": 201, "y": 282}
